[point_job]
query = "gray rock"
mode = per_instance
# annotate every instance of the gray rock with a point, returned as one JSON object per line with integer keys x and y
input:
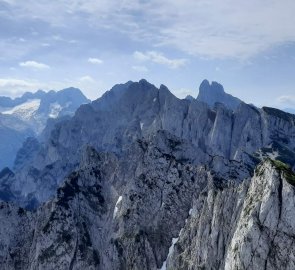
{"x": 214, "y": 93}
{"x": 245, "y": 226}
{"x": 138, "y": 110}
{"x": 124, "y": 213}
{"x": 139, "y": 179}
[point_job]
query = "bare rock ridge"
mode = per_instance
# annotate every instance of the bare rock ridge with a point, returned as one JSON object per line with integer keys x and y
{"x": 140, "y": 179}
{"x": 137, "y": 110}
{"x": 214, "y": 92}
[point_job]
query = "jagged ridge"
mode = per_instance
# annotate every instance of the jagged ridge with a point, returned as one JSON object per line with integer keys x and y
{"x": 142, "y": 180}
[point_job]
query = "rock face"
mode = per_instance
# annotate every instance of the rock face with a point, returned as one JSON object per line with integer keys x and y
{"x": 124, "y": 214}
{"x": 246, "y": 226}
{"x": 132, "y": 111}
{"x": 139, "y": 179}
{"x": 214, "y": 93}
{"x": 265, "y": 232}
{"x": 110, "y": 209}
{"x": 26, "y": 116}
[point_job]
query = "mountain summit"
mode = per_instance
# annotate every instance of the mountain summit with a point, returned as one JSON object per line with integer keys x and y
{"x": 214, "y": 92}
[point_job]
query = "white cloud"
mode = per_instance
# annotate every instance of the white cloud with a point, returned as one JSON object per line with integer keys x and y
{"x": 142, "y": 69}
{"x": 159, "y": 58}
{"x": 86, "y": 78}
{"x": 57, "y": 38}
{"x": 184, "y": 92}
{"x": 13, "y": 86}
{"x": 34, "y": 64}
{"x": 95, "y": 61}
{"x": 8, "y": 1}
{"x": 210, "y": 28}
{"x": 140, "y": 56}
{"x": 287, "y": 101}
{"x": 10, "y": 82}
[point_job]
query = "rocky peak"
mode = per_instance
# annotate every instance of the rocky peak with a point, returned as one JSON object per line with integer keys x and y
{"x": 189, "y": 97}
{"x": 213, "y": 87}
{"x": 214, "y": 92}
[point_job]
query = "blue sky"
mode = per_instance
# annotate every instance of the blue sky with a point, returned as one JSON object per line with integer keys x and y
{"x": 248, "y": 46}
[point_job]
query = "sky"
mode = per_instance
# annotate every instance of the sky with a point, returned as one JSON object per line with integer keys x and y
{"x": 247, "y": 46}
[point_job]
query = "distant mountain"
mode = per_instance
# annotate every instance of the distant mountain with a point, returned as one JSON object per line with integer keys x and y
{"x": 214, "y": 93}
{"x": 35, "y": 108}
{"x": 139, "y": 179}
{"x": 8, "y": 102}
{"x": 26, "y": 116}
{"x": 189, "y": 97}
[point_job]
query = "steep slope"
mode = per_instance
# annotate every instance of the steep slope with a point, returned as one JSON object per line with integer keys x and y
{"x": 246, "y": 226}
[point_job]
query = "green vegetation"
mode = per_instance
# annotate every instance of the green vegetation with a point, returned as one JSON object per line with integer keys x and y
{"x": 248, "y": 208}
{"x": 236, "y": 248}
{"x": 259, "y": 171}
{"x": 286, "y": 171}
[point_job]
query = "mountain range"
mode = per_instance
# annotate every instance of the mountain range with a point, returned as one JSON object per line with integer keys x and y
{"x": 139, "y": 179}
{"x": 27, "y": 115}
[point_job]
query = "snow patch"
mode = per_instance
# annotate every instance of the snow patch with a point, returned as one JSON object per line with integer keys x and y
{"x": 25, "y": 110}
{"x": 174, "y": 241}
{"x": 55, "y": 108}
{"x": 116, "y": 206}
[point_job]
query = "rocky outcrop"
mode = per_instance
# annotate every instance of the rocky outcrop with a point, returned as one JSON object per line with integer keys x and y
{"x": 245, "y": 226}
{"x": 214, "y": 93}
{"x": 264, "y": 236}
